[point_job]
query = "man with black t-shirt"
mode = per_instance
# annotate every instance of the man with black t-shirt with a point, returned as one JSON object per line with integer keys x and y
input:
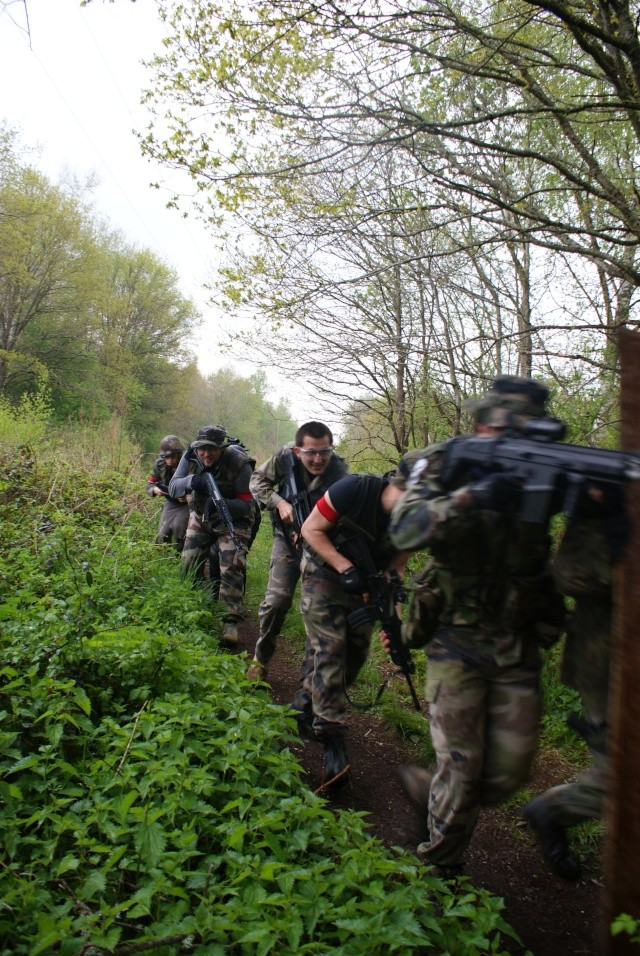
{"x": 351, "y": 516}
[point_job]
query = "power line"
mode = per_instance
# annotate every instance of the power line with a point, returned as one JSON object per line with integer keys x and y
{"x": 133, "y": 120}
{"x": 5, "y": 9}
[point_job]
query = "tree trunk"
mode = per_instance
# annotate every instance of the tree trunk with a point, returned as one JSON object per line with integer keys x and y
{"x": 622, "y": 847}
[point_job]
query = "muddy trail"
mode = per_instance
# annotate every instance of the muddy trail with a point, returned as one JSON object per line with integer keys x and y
{"x": 552, "y": 917}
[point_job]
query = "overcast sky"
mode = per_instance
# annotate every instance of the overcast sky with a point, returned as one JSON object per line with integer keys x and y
{"x": 71, "y": 78}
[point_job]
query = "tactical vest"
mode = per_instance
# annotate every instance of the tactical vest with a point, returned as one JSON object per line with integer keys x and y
{"x": 225, "y": 474}
{"x": 493, "y": 573}
{"x": 316, "y": 485}
{"x": 162, "y": 471}
{"x": 310, "y": 486}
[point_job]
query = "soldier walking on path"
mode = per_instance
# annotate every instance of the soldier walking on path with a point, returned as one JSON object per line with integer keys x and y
{"x": 175, "y": 511}
{"x": 288, "y": 485}
{"x": 214, "y": 454}
{"x": 489, "y": 604}
{"x": 346, "y": 532}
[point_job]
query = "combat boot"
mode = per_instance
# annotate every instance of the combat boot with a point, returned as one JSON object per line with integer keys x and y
{"x": 443, "y": 871}
{"x": 229, "y": 635}
{"x": 304, "y": 719}
{"x": 336, "y": 763}
{"x": 553, "y": 841}
{"x": 416, "y": 784}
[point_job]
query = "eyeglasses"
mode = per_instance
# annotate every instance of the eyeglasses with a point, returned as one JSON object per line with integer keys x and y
{"x": 171, "y": 454}
{"x": 316, "y": 452}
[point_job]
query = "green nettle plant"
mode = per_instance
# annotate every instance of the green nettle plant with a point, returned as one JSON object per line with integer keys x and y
{"x": 149, "y": 801}
{"x": 628, "y": 925}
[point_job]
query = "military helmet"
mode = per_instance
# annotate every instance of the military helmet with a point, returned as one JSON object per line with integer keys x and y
{"x": 171, "y": 443}
{"x": 510, "y": 402}
{"x": 215, "y": 435}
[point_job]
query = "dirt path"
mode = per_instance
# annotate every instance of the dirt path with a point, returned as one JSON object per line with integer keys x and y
{"x": 551, "y": 916}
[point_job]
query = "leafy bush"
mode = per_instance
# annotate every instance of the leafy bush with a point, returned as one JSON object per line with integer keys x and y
{"x": 149, "y": 800}
{"x": 626, "y": 924}
{"x": 24, "y": 426}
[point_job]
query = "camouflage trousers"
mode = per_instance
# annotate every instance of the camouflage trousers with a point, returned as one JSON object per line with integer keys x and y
{"x": 284, "y": 572}
{"x": 233, "y": 564}
{"x": 581, "y": 799}
{"x": 173, "y": 524}
{"x": 484, "y": 724}
{"x": 334, "y": 652}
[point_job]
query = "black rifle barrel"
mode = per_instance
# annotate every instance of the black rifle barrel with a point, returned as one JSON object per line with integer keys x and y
{"x": 222, "y": 508}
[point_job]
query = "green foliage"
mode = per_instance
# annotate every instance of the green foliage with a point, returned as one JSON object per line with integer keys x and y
{"x": 148, "y": 796}
{"x": 24, "y": 425}
{"x": 558, "y": 701}
{"x": 626, "y": 924}
{"x": 447, "y": 288}
{"x": 100, "y": 322}
{"x": 588, "y": 405}
{"x": 224, "y": 397}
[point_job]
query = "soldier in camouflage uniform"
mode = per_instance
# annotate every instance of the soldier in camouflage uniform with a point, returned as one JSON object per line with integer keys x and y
{"x": 231, "y": 468}
{"x": 175, "y": 512}
{"x": 352, "y": 515}
{"x": 583, "y": 569}
{"x": 490, "y": 597}
{"x": 310, "y": 465}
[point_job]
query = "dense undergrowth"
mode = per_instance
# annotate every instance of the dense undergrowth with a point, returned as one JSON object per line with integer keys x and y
{"x": 149, "y": 801}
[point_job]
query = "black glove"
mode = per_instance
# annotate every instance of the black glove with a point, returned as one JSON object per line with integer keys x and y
{"x": 497, "y": 492}
{"x": 200, "y": 485}
{"x": 352, "y": 582}
{"x": 162, "y": 486}
{"x": 239, "y": 508}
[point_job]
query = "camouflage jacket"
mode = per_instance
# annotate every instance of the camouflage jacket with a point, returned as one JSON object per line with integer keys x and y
{"x": 162, "y": 475}
{"x": 269, "y": 481}
{"x": 491, "y": 571}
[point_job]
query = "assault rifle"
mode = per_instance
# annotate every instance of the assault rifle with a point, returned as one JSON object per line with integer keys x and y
{"x": 552, "y": 474}
{"x": 301, "y": 503}
{"x": 221, "y": 508}
{"x": 384, "y": 593}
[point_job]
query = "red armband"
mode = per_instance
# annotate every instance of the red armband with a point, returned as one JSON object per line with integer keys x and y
{"x": 244, "y": 496}
{"x": 327, "y": 511}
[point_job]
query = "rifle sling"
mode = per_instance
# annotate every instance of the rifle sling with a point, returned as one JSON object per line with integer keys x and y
{"x": 373, "y": 703}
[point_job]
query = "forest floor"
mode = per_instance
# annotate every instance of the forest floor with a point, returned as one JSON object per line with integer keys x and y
{"x": 552, "y": 917}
